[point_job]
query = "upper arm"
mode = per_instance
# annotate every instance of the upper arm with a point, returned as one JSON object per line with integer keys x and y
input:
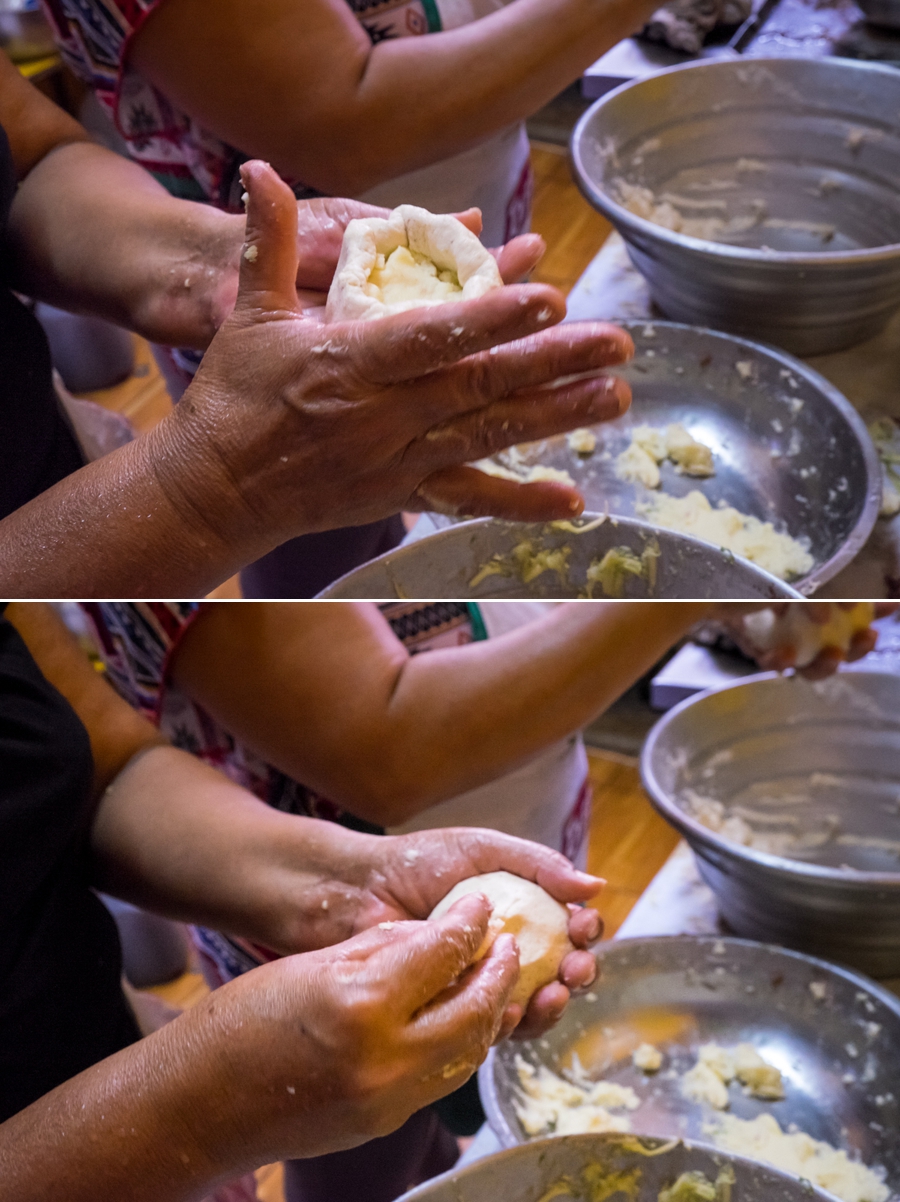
{"x": 262, "y": 76}
{"x": 307, "y": 687}
{"x": 117, "y": 732}
{"x": 33, "y": 124}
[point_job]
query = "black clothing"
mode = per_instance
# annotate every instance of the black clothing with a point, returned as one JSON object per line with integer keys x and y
{"x": 37, "y": 446}
{"x": 61, "y": 1003}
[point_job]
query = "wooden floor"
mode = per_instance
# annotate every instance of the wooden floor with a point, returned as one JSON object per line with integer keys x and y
{"x": 629, "y": 843}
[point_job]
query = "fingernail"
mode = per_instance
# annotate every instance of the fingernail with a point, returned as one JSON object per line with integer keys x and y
{"x": 613, "y": 398}
{"x": 591, "y": 979}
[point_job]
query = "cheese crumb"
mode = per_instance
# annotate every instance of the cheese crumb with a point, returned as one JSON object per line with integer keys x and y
{"x": 647, "y": 1058}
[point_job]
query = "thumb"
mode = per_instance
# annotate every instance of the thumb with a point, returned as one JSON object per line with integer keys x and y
{"x": 269, "y": 257}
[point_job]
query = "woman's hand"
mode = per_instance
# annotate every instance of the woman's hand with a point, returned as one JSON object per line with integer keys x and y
{"x": 341, "y": 424}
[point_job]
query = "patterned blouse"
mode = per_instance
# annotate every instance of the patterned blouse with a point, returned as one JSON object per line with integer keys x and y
{"x": 94, "y": 38}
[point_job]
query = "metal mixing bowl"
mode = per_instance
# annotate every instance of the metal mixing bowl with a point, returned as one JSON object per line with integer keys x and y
{"x": 837, "y": 1044}
{"x": 789, "y": 448}
{"x": 805, "y": 153}
{"x": 445, "y": 564}
{"x": 529, "y": 1173}
{"x": 823, "y": 757}
{"x": 885, "y": 13}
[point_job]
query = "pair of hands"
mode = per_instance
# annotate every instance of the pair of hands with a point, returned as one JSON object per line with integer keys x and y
{"x": 341, "y": 424}
{"x": 335, "y": 1046}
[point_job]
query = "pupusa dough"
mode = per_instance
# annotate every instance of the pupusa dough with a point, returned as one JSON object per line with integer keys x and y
{"x": 539, "y": 923}
{"x": 766, "y": 631}
{"x": 437, "y": 260}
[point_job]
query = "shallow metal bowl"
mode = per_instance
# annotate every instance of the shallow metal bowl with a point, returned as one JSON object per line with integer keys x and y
{"x": 837, "y": 1044}
{"x": 824, "y": 757}
{"x": 530, "y": 1173}
{"x": 789, "y": 447}
{"x": 445, "y": 564}
{"x": 885, "y": 13}
{"x": 803, "y": 154}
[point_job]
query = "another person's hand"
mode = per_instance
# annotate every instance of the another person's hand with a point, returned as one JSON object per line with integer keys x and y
{"x": 373, "y": 880}
{"x": 340, "y": 425}
{"x": 782, "y": 658}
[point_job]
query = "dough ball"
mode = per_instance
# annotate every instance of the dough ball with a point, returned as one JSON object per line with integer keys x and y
{"x": 539, "y": 923}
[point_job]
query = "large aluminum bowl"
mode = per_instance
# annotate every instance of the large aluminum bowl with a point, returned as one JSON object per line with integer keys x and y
{"x": 805, "y": 151}
{"x": 834, "y": 1035}
{"x": 530, "y": 1173}
{"x": 445, "y": 564}
{"x": 826, "y": 755}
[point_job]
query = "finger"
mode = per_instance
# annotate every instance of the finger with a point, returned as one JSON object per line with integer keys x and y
{"x": 825, "y": 664}
{"x": 816, "y": 611}
{"x": 861, "y": 644}
{"x": 471, "y": 1012}
{"x": 544, "y": 1010}
{"x": 435, "y": 954}
{"x": 471, "y": 219}
{"x": 585, "y": 926}
{"x": 578, "y": 970}
{"x": 779, "y": 659}
{"x": 467, "y": 491}
{"x": 269, "y": 258}
{"x": 409, "y": 345}
{"x": 568, "y": 350}
{"x": 320, "y": 234}
{"x": 885, "y": 609}
{"x": 519, "y": 256}
{"x": 471, "y": 851}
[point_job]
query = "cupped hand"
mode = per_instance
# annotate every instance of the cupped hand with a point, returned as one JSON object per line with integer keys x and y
{"x": 343, "y": 424}
{"x": 326, "y": 1050}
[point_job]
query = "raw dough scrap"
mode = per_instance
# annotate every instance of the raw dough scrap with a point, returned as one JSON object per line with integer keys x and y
{"x": 766, "y": 631}
{"x": 647, "y": 1058}
{"x": 539, "y": 923}
{"x": 717, "y": 1067}
{"x": 408, "y": 260}
{"x": 550, "y": 1105}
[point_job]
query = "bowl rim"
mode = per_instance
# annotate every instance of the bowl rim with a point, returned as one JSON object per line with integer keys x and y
{"x": 620, "y": 216}
{"x": 695, "y": 832}
{"x": 459, "y": 529}
{"x": 420, "y": 1192}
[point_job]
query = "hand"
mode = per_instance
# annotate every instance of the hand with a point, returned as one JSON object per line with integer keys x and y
{"x": 341, "y": 425}
{"x": 782, "y": 658}
{"x": 326, "y": 1050}
{"x": 372, "y": 880}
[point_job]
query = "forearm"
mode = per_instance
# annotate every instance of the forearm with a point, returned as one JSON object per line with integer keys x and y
{"x": 309, "y": 92}
{"x": 332, "y": 698}
{"x": 153, "y": 1123}
{"x": 457, "y": 719}
{"x": 94, "y": 233}
{"x": 176, "y": 837}
{"x": 159, "y": 517}
{"x": 464, "y": 85}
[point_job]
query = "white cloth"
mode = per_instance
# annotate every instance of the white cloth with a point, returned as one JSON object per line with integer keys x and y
{"x": 547, "y": 799}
